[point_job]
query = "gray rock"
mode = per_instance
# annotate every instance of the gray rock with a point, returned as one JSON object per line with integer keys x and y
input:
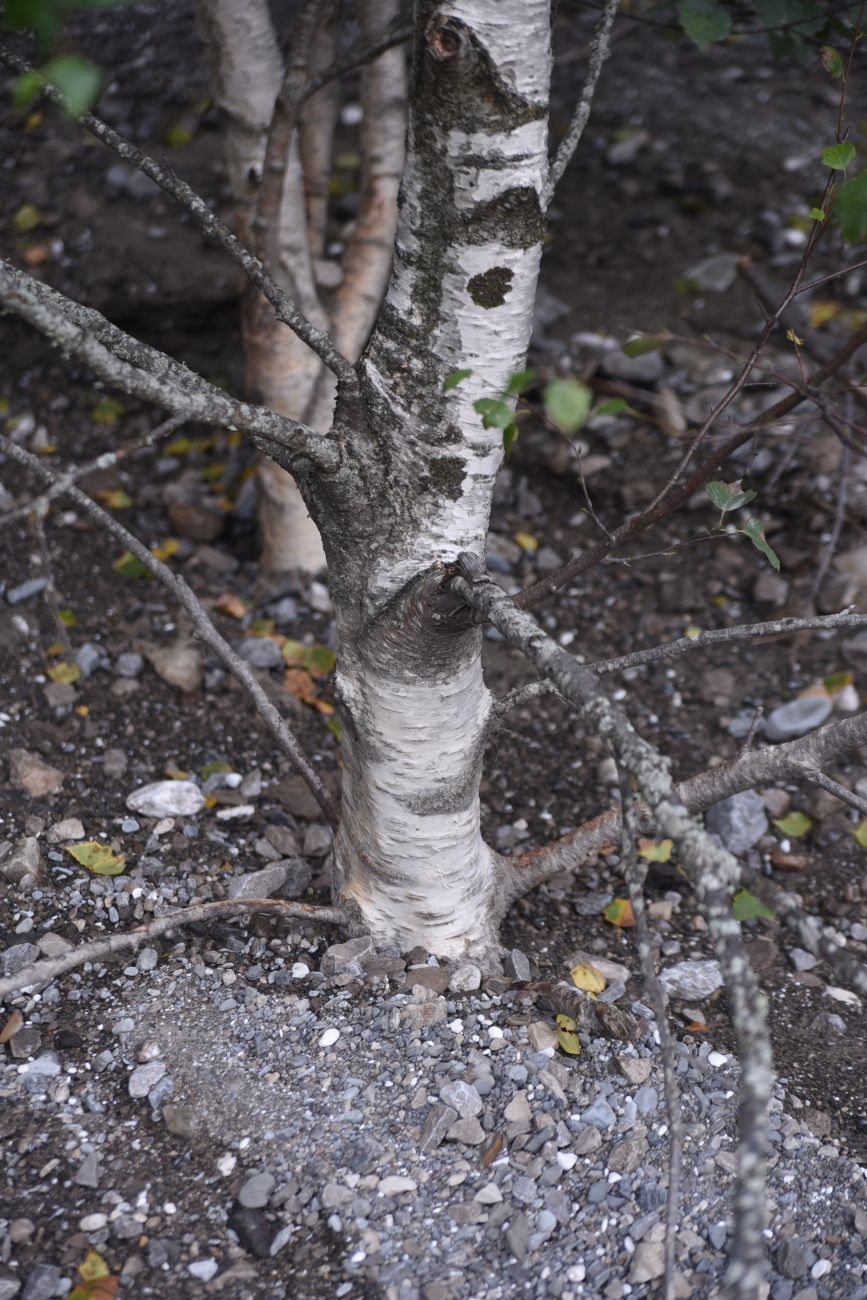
{"x": 30, "y": 773}
{"x": 692, "y": 980}
{"x": 14, "y": 959}
{"x": 648, "y": 1262}
{"x": 144, "y": 1077}
{"x": 260, "y": 652}
{"x": 183, "y": 1123}
{"x": 645, "y": 369}
{"x": 283, "y": 840}
{"x": 801, "y": 959}
{"x": 791, "y": 1258}
{"x": 421, "y": 1015}
{"x": 131, "y": 181}
{"x": 517, "y": 966}
{"x": 42, "y": 1283}
{"x": 518, "y": 1235}
{"x": 89, "y": 1172}
{"x": 646, "y": 1100}
{"x": 465, "y": 979}
{"x": 25, "y": 860}
{"x": 47, "y": 1065}
{"x": 437, "y": 1123}
{"x": 627, "y": 1155}
{"x": 26, "y": 590}
{"x": 599, "y": 1114}
{"x": 317, "y": 841}
{"x": 253, "y": 1231}
{"x": 25, "y": 1043}
{"x": 167, "y": 799}
{"x": 69, "y": 829}
{"x": 9, "y": 1287}
{"x": 147, "y": 959}
{"x": 88, "y": 658}
{"x": 256, "y": 1190}
{"x": 298, "y": 877}
{"x": 798, "y": 717}
{"x": 129, "y": 664}
{"x": 715, "y": 274}
{"x": 179, "y": 664}
{"x": 463, "y": 1097}
{"x": 258, "y": 884}
{"x": 740, "y": 822}
{"x": 347, "y": 958}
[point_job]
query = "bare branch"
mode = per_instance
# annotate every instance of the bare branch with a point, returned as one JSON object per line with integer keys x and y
{"x": 364, "y": 52}
{"x": 599, "y": 50}
{"x": 167, "y": 179}
{"x": 205, "y": 629}
{"x": 43, "y": 972}
{"x": 278, "y": 437}
{"x": 813, "y": 776}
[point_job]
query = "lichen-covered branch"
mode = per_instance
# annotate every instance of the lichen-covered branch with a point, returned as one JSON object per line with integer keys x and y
{"x": 599, "y": 49}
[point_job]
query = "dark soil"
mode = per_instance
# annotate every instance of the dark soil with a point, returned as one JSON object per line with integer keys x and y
{"x": 729, "y": 157}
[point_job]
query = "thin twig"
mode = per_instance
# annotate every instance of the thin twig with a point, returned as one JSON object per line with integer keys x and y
{"x": 50, "y": 592}
{"x": 97, "y": 950}
{"x": 357, "y": 56}
{"x": 839, "y": 512}
{"x": 205, "y": 629}
{"x": 599, "y": 49}
{"x": 813, "y": 776}
{"x": 168, "y": 180}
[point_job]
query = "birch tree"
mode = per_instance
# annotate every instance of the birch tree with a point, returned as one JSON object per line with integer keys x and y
{"x": 390, "y": 417}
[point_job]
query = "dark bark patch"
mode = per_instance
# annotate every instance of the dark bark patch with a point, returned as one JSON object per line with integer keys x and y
{"x": 445, "y": 475}
{"x": 489, "y": 288}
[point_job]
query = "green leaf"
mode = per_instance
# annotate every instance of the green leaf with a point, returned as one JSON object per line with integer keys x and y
{"x": 456, "y": 377}
{"x": 644, "y": 343}
{"x": 655, "y": 850}
{"x": 97, "y": 858}
{"x": 510, "y": 436}
{"x": 704, "y": 21}
{"x": 835, "y": 682}
{"x": 495, "y": 414}
{"x": 850, "y": 206}
{"x": 795, "y": 825}
{"x": 615, "y": 406}
{"x": 25, "y": 88}
{"x": 519, "y": 382}
{"x": 754, "y": 531}
{"x": 77, "y": 79}
{"x": 860, "y": 834}
{"x": 619, "y": 912}
{"x": 817, "y": 214}
{"x": 27, "y": 218}
{"x": 567, "y": 404}
{"x": 335, "y": 726}
{"x": 211, "y": 769}
{"x": 567, "y": 1035}
{"x": 747, "y": 907}
{"x": 831, "y": 61}
{"x": 67, "y": 617}
{"x": 839, "y": 156}
{"x": 729, "y": 496}
{"x": 320, "y": 661}
{"x": 178, "y": 136}
{"x": 129, "y": 566}
{"x": 93, "y": 1267}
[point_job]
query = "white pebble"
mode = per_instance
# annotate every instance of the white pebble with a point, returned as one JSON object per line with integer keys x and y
{"x": 567, "y": 1160}
{"x": 204, "y": 1269}
{"x": 226, "y": 1164}
{"x": 93, "y": 1222}
{"x": 299, "y": 970}
{"x": 456, "y": 1026}
{"x": 495, "y": 1032}
{"x": 820, "y": 1268}
{"x": 329, "y": 1037}
{"x": 716, "y": 1059}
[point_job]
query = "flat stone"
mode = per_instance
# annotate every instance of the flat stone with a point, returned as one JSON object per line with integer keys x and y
{"x": 395, "y": 1184}
{"x": 518, "y": 1109}
{"x": 144, "y": 1077}
{"x": 740, "y": 822}
{"x": 490, "y": 1194}
{"x": 420, "y": 1015}
{"x": 129, "y": 664}
{"x": 437, "y": 1123}
{"x": 648, "y": 1262}
{"x": 89, "y": 1171}
{"x": 24, "y": 861}
{"x": 599, "y": 1114}
{"x": 647, "y": 1100}
{"x": 798, "y": 717}
{"x": 48, "y": 1065}
{"x": 167, "y": 799}
{"x": 258, "y": 884}
{"x": 801, "y": 959}
{"x": 429, "y": 977}
{"x": 465, "y": 979}
{"x": 517, "y": 966}
{"x": 204, "y": 1269}
{"x": 88, "y": 657}
{"x": 25, "y": 1043}
{"x": 329, "y": 1037}
{"x": 714, "y": 274}
{"x": 42, "y": 1283}
{"x": 293, "y": 793}
{"x": 627, "y": 1155}
{"x": 253, "y": 1231}
{"x": 791, "y": 1258}
{"x": 198, "y": 522}
{"x": 467, "y": 1131}
{"x": 256, "y": 1190}
{"x": 462, "y": 1097}
{"x": 183, "y": 1123}
{"x": 62, "y": 832}
{"x": 30, "y": 773}
{"x": 317, "y": 841}
{"x": 14, "y": 959}
{"x": 347, "y": 958}
{"x": 179, "y": 664}
{"x": 541, "y": 1036}
{"x": 284, "y": 840}
{"x": 518, "y": 1235}
{"x": 261, "y": 652}
{"x": 692, "y": 980}
{"x": 635, "y": 1068}
{"x": 26, "y": 590}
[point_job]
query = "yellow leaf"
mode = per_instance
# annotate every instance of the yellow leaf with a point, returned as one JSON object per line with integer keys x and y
{"x": 794, "y": 338}
{"x": 527, "y": 542}
{"x": 66, "y": 617}
{"x": 821, "y": 311}
{"x": 114, "y": 498}
{"x": 175, "y": 773}
{"x": 56, "y": 648}
{"x": 94, "y": 1266}
{"x": 655, "y": 850}
{"x": 588, "y": 978}
{"x": 82, "y": 710}
{"x": 27, "y": 218}
{"x": 567, "y": 1035}
{"x": 64, "y": 672}
{"x": 619, "y": 912}
{"x": 97, "y": 858}
{"x": 210, "y": 801}
{"x": 860, "y": 833}
{"x": 692, "y": 632}
{"x": 165, "y": 549}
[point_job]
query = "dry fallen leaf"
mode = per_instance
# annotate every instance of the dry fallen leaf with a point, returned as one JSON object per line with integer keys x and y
{"x": 13, "y": 1024}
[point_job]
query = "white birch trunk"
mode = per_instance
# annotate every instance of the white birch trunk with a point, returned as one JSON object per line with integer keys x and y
{"x": 409, "y": 852}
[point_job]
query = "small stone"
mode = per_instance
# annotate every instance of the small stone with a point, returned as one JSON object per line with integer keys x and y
{"x": 421, "y": 1015}
{"x": 627, "y": 1155}
{"x": 801, "y": 959}
{"x": 253, "y": 1231}
{"x": 167, "y": 799}
{"x": 283, "y": 840}
{"x": 518, "y": 1109}
{"x": 347, "y": 958}
{"x": 183, "y": 1123}
{"x": 518, "y": 1235}
{"x": 462, "y": 1097}
{"x": 490, "y": 1194}
{"x": 717, "y": 1059}
{"x": 179, "y": 664}
{"x": 48, "y": 1065}
{"x": 791, "y": 1258}
{"x": 24, "y": 862}
{"x": 517, "y": 966}
{"x": 41, "y": 1283}
{"x": 28, "y": 772}
{"x": 189, "y": 519}
{"x": 715, "y": 274}
{"x": 329, "y": 1037}
{"x": 293, "y": 793}
{"x": 26, "y": 590}
{"x": 89, "y": 1172}
{"x": 261, "y": 652}
{"x": 599, "y": 1114}
{"x": 147, "y": 960}
{"x": 25, "y": 1043}
{"x": 129, "y": 664}
{"x": 435, "y": 978}
{"x": 93, "y": 1222}
{"x": 692, "y": 980}
{"x": 437, "y": 1123}
{"x": 635, "y": 1068}
{"x": 317, "y": 841}
{"x": 798, "y": 717}
{"x": 203, "y": 1269}
{"x": 740, "y": 822}
{"x": 395, "y": 1184}
{"x": 88, "y": 657}
{"x": 648, "y": 1262}
{"x": 258, "y": 884}
{"x": 646, "y": 1100}
{"x": 465, "y": 979}
{"x": 69, "y": 829}
{"x": 115, "y": 763}
{"x": 14, "y": 959}
{"x": 645, "y": 369}
{"x": 541, "y": 1036}
{"x": 256, "y": 1190}
{"x": 144, "y": 1077}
